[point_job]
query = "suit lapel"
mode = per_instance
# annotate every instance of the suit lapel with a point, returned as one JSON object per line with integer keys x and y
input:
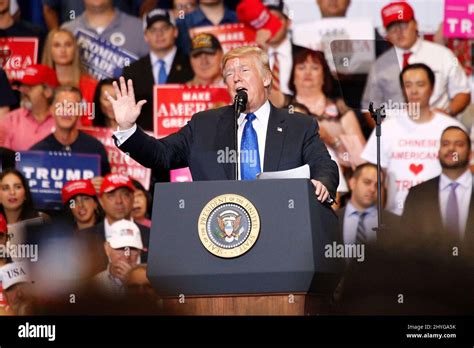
{"x": 225, "y": 139}
{"x": 276, "y": 131}
{"x": 469, "y": 232}
{"x": 176, "y": 68}
{"x": 434, "y": 200}
{"x": 148, "y": 77}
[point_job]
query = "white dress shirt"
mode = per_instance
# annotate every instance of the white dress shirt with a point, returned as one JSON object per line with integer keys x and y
{"x": 463, "y": 195}
{"x": 351, "y": 220}
{"x": 168, "y": 59}
{"x": 285, "y": 60}
{"x": 260, "y": 124}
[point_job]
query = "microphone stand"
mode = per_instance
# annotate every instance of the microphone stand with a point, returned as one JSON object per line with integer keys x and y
{"x": 378, "y": 115}
{"x": 236, "y": 142}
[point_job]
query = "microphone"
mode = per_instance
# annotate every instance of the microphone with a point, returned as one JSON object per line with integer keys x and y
{"x": 240, "y": 101}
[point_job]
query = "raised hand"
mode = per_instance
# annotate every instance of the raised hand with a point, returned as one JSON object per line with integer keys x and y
{"x": 126, "y": 110}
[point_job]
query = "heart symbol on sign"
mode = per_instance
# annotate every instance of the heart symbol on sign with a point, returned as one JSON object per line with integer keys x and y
{"x": 5, "y": 54}
{"x": 416, "y": 168}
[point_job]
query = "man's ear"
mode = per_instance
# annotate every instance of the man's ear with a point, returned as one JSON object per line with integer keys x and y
{"x": 352, "y": 182}
{"x": 107, "y": 248}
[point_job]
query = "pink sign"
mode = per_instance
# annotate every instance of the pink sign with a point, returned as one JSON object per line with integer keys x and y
{"x": 181, "y": 175}
{"x": 459, "y": 19}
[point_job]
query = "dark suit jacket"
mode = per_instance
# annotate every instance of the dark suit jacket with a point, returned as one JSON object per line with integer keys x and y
{"x": 142, "y": 75}
{"x": 390, "y": 221}
{"x": 422, "y": 215}
{"x": 292, "y": 140}
{"x": 94, "y": 238}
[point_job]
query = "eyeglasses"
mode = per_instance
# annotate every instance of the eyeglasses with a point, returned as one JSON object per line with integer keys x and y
{"x": 184, "y": 6}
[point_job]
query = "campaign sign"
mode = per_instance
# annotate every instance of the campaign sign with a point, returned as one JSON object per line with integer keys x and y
{"x": 229, "y": 35}
{"x": 174, "y": 105}
{"x": 16, "y": 54}
{"x": 348, "y": 44}
{"x": 181, "y": 175}
{"x": 101, "y": 58}
{"x": 119, "y": 161}
{"x": 47, "y": 172}
{"x": 459, "y": 19}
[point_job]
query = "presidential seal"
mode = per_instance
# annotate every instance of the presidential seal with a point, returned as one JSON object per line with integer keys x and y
{"x": 229, "y": 226}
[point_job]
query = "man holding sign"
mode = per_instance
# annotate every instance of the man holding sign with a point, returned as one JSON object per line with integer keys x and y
{"x": 272, "y": 138}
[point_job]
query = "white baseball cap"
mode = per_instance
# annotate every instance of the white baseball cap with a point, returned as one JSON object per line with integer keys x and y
{"x": 14, "y": 273}
{"x": 125, "y": 233}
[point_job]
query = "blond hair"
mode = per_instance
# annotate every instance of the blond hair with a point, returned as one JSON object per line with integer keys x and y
{"x": 47, "y": 59}
{"x": 245, "y": 51}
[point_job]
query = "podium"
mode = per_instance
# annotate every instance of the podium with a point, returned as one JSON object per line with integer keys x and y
{"x": 242, "y": 248}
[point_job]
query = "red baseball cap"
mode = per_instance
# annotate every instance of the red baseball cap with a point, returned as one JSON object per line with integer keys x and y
{"x": 3, "y": 224}
{"x": 114, "y": 181}
{"x": 77, "y": 187}
{"x": 397, "y": 11}
{"x": 256, "y": 15}
{"x": 37, "y": 74}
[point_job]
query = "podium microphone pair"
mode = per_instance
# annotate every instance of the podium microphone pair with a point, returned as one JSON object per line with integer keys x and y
{"x": 240, "y": 103}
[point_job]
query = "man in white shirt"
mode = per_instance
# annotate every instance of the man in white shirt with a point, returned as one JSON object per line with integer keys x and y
{"x": 164, "y": 64}
{"x": 443, "y": 206}
{"x": 410, "y": 138}
{"x": 123, "y": 248}
{"x": 451, "y": 93}
{"x": 271, "y": 139}
{"x": 280, "y": 48}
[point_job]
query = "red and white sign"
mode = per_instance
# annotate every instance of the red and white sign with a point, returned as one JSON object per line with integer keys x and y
{"x": 120, "y": 162}
{"x": 174, "y": 105}
{"x": 17, "y": 53}
{"x": 459, "y": 19}
{"x": 229, "y": 35}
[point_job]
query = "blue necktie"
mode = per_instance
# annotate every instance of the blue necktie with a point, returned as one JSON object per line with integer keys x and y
{"x": 249, "y": 156}
{"x": 162, "y": 76}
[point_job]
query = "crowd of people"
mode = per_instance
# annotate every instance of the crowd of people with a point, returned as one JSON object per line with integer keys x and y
{"x": 425, "y": 144}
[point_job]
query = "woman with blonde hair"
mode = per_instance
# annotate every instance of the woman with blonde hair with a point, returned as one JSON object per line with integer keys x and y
{"x": 62, "y": 54}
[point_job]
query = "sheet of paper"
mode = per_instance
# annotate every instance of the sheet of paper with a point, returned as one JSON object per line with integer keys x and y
{"x": 302, "y": 172}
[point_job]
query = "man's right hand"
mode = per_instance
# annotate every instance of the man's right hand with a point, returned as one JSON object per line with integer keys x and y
{"x": 126, "y": 110}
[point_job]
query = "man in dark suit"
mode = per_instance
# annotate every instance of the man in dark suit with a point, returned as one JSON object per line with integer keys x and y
{"x": 358, "y": 218}
{"x": 442, "y": 209}
{"x": 165, "y": 63}
{"x": 116, "y": 199}
{"x": 269, "y": 139}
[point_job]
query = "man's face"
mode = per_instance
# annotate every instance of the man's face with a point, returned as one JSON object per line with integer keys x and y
{"x": 4, "y": 6}
{"x": 417, "y": 87}
{"x": 64, "y": 108}
{"x": 98, "y": 5}
{"x": 183, "y": 7}
{"x": 246, "y": 73}
{"x": 403, "y": 34}
{"x": 333, "y": 8}
{"x": 364, "y": 187}
{"x": 84, "y": 208}
{"x": 207, "y": 66}
{"x": 283, "y": 32}
{"x": 210, "y": 2}
{"x": 161, "y": 36}
{"x": 32, "y": 95}
{"x": 127, "y": 254}
{"x": 454, "y": 150}
{"x": 117, "y": 204}
{"x": 19, "y": 299}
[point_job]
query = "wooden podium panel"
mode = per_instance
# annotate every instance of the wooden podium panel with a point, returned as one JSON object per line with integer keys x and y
{"x": 275, "y": 304}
